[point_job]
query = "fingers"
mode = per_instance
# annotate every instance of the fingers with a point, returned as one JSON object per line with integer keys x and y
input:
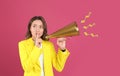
{"x": 38, "y": 41}
{"x": 37, "y": 36}
{"x": 61, "y": 42}
{"x": 61, "y": 39}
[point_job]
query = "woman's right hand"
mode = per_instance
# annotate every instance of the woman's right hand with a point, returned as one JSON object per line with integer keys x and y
{"x": 38, "y": 41}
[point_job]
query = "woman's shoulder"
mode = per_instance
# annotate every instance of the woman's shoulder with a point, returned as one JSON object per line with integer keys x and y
{"x": 24, "y": 41}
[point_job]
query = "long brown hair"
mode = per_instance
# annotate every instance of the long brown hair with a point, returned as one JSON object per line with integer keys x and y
{"x": 28, "y": 34}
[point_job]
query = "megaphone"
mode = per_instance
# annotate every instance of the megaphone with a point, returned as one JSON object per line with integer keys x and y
{"x": 67, "y": 31}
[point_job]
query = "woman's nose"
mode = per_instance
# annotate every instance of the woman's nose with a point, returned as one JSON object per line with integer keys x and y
{"x": 37, "y": 29}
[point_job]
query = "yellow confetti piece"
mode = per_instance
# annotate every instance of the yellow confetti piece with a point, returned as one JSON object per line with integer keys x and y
{"x": 82, "y": 21}
{"x": 87, "y": 26}
{"x": 85, "y": 33}
{"x": 91, "y": 34}
{"x": 87, "y": 16}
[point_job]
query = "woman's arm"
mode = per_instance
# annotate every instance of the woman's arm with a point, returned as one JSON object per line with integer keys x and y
{"x": 28, "y": 60}
{"x": 59, "y": 59}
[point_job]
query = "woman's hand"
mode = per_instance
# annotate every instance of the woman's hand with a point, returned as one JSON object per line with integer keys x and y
{"x": 38, "y": 41}
{"x": 61, "y": 42}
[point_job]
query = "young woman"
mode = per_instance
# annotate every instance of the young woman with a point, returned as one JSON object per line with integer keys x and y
{"x": 37, "y": 54}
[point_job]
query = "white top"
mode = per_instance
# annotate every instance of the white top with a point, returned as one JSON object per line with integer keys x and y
{"x": 41, "y": 63}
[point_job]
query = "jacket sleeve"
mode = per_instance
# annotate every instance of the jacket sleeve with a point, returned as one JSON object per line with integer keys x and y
{"x": 28, "y": 59}
{"x": 59, "y": 59}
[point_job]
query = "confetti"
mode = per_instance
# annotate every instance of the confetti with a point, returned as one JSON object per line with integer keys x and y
{"x": 90, "y": 25}
{"x": 91, "y": 34}
{"x": 87, "y": 16}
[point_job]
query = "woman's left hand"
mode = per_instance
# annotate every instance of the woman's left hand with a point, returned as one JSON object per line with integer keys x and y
{"x": 61, "y": 42}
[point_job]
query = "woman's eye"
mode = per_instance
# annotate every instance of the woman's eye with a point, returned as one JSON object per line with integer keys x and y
{"x": 34, "y": 25}
{"x": 41, "y": 27}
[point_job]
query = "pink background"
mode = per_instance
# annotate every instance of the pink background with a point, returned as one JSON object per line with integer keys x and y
{"x": 89, "y": 56}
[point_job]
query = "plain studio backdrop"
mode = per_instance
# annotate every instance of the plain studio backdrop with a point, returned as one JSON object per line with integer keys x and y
{"x": 99, "y": 56}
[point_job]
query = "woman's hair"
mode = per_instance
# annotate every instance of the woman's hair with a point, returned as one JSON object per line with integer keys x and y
{"x": 28, "y": 34}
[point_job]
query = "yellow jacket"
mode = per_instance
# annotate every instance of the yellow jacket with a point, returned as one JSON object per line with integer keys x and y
{"x": 29, "y": 56}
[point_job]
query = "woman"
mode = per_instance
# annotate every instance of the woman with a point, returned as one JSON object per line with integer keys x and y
{"x": 37, "y": 54}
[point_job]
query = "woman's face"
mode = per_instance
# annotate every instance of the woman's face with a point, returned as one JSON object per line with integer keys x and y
{"x": 37, "y": 28}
